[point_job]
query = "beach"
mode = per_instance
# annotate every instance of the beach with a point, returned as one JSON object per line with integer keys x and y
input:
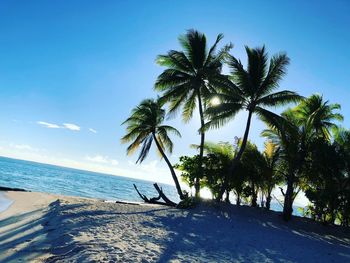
{"x": 41, "y": 227}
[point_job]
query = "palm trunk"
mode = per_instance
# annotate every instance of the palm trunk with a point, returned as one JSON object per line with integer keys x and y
{"x": 268, "y": 201}
{"x": 227, "y": 198}
{"x": 288, "y": 199}
{"x": 254, "y": 197}
{"x": 237, "y": 158}
{"x": 201, "y": 149}
{"x": 173, "y": 174}
{"x": 238, "y": 199}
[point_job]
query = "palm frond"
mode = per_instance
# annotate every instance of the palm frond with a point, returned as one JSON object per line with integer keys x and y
{"x": 279, "y": 98}
{"x": 277, "y": 70}
{"x": 146, "y": 145}
{"x": 189, "y": 107}
{"x": 240, "y": 76}
{"x": 257, "y": 66}
{"x": 170, "y": 129}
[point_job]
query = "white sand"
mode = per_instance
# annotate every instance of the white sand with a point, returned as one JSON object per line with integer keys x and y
{"x": 39, "y": 227}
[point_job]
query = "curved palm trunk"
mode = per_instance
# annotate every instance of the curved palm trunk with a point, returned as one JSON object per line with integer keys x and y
{"x": 201, "y": 149}
{"x": 173, "y": 174}
{"x": 237, "y": 157}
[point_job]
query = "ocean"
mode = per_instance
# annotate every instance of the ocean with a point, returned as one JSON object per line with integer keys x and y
{"x": 53, "y": 179}
{"x": 47, "y": 178}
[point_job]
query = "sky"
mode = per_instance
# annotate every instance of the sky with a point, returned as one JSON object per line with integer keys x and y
{"x": 71, "y": 71}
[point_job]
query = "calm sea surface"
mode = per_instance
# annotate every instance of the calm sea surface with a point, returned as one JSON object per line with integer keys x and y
{"x": 66, "y": 181}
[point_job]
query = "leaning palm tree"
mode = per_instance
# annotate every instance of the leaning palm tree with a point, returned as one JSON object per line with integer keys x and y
{"x": 145, "y": 126}
{"x": 252, "y": 89}
{"x": 191, "y": 75}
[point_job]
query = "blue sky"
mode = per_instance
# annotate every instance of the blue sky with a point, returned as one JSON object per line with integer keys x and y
{"x": 71, "y": 71}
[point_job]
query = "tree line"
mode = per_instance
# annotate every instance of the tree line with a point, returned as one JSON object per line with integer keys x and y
{"x": 305, "y": 149}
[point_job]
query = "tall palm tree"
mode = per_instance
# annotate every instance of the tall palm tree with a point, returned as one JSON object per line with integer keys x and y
{"x": 145, "y": 126}
{"x": 191, "y": 75}
{"x": 252, "y": 89}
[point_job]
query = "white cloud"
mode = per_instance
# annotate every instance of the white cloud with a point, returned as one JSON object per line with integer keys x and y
{"x": 92, "y": 130}
{"x": 150, "y": 167}
{"x": 97, "y": 159}
{"x": 22, "y": 147}
{"x": 101, "y": 159}
{"x": 114, "y": 162}
{"x": 71, "y": 126}
{"x": 48, "y": 125}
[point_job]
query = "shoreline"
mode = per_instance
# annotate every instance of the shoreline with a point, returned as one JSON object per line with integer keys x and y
{"x": 5, "y": 202}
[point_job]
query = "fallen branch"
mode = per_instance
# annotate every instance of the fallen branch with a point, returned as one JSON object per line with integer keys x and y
{"x": 154, "y": 200}
{"x": 282, "y": 191}
{"x": 2, "y": 188}
{"x": 163, "y": 196}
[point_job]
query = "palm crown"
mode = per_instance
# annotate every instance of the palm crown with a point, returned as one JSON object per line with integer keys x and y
{"x": 319, "y": 115}
{"x": 252, "y": 88}
{"x": 144, "y": 125}
{"x": 193, "y": 72}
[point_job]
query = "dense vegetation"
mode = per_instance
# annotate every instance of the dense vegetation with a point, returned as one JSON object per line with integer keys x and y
{"x": 305, "y": 149}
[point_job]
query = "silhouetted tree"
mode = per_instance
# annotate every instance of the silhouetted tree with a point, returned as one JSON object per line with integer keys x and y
{"x": 191, "y": 76}
{"x": 252, "y": 89}
{"x": 144, "y": 126}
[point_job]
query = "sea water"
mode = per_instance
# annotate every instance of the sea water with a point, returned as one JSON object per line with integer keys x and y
{"x": 47, "y": 178}
{"x": 40, "y": 177}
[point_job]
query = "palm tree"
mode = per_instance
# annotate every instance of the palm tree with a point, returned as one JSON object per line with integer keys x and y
{"x": 292, "y": 140}
{"x": 342, "y": 142}
{"x": 191, "y": 75}
{"x": 145, "y": 126}
{"x": 318, "y": 115}
{"x": 270, "y": 170}
{"x": 252, "y": 89}
{"x": 294, "y": 133}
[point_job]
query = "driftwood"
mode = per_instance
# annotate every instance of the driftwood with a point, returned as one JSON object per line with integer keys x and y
{"x": 155, "y": 200}
{"x": 2, "y": 188}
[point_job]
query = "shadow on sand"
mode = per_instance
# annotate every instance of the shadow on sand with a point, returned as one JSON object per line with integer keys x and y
{"x": 228, "y": 234}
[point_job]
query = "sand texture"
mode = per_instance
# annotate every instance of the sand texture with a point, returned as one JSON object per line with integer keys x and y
{"x": 47, "y": 228}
